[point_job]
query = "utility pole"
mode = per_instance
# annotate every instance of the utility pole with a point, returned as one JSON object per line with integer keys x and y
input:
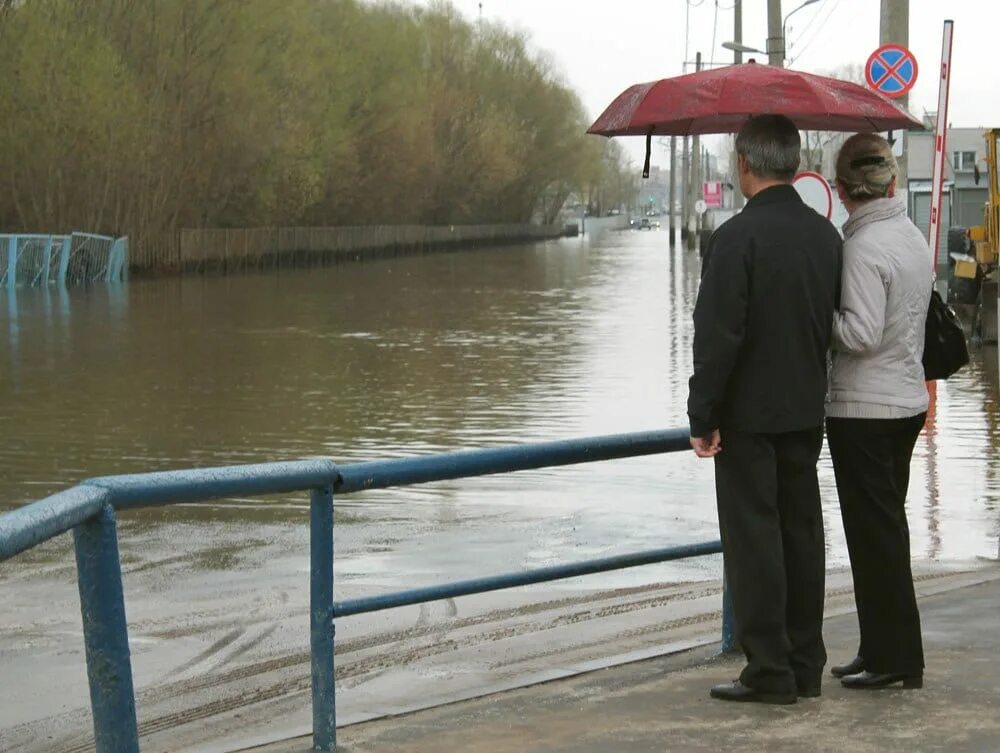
{"x": 694, "y": 188}
{"x": 737, "y": 30}
{"x": 686, "y": 207}
{"x": 673, "y": 185}
{"x": 775, "y": 39}
{"x": 734, "y": 173}
{"x": 894, "y": 28}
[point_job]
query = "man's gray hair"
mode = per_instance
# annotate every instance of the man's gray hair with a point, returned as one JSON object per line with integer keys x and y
{"x": 771, "y": 146}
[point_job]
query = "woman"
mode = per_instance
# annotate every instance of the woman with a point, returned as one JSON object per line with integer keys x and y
{"x": 878, "y": 403}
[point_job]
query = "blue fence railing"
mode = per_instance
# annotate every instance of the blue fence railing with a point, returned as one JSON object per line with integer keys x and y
{"x": 90, "y": 509}
{"x": 29, "y": 260}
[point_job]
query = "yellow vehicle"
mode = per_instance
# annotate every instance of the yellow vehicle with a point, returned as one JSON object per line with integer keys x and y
{"x": 976, "y": 250}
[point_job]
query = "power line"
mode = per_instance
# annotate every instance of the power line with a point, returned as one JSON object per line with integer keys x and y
{"x": 812, "y": 20}
{"x": 819, "y": 28}
{"x": 830, "y": 9}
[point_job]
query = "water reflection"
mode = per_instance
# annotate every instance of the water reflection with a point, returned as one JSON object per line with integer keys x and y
{"x": 415, "y": 355}
{"x": 933, "y": 488}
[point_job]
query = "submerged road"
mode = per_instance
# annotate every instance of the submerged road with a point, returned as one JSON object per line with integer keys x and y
{"x": 405, "y": 356}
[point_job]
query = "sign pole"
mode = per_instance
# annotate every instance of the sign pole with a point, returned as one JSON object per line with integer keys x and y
{"x": 894, "y": 28}
{"x": 892, "y": 71}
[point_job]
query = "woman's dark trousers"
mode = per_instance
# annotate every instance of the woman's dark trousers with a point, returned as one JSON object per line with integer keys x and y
{"x": 871, "y": 461}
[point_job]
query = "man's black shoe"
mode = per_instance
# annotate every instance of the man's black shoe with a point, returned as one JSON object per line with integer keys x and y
{"x": 810, "y": 691}
{"x": 874, "y": 681}
{"x": 809, "y": 685}
{"x": 855, "y": 665}
{"x": 737, "y": 691}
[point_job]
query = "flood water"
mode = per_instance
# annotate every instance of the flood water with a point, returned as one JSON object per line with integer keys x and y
{"x": 408, "y": 356}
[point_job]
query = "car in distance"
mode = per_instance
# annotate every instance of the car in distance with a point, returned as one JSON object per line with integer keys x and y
{"x": 646, "y": 224}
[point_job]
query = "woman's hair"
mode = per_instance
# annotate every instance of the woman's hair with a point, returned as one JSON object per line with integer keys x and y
{"x": 866, "y": 167}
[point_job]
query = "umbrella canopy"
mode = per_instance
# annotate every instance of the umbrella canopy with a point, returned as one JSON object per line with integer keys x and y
{"x": 722, "y": 99}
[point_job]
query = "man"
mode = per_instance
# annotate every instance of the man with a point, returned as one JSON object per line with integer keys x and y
{"x": 770, "y": 280}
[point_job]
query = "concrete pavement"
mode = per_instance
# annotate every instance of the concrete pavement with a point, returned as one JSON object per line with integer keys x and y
{"x": 662, "y": 704}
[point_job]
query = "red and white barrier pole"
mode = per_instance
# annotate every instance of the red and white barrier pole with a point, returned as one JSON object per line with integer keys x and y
{"x": 937, "y": 184}
{"x": 940, "y": 142}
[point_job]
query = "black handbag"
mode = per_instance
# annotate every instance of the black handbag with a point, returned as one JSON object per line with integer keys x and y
{"x": 945, "y": 350}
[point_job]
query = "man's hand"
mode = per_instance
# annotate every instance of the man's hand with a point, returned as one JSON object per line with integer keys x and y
{"x": 707, "y": 447}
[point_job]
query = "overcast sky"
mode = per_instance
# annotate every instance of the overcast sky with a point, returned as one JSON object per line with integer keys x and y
{"x": 603, "y": 47}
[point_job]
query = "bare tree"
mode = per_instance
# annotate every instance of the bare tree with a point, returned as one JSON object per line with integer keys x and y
{"x": 815, "y": 143}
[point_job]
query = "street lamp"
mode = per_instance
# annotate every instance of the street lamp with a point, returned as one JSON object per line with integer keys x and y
{"x": 738, "y": 47}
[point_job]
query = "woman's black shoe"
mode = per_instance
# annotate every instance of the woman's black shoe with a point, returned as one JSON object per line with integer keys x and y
{"x": 857, "y": 664}
{"x": 874, "y": 681}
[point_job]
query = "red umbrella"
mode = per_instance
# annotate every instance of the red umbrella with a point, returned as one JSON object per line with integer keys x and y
{"x": 722, "y": 99}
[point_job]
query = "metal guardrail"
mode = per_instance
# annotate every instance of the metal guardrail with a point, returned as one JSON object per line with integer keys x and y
{"x": 89, "y": 510}
{"x": 31, "y": 260}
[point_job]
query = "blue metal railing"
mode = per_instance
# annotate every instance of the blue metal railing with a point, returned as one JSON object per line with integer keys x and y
{"x": 31, "y": 260}
{"x": 89, "y": 510}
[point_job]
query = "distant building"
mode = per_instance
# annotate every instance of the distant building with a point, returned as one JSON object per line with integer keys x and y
{"x": 966, "y": 148}
{"x": 963, "y": 200}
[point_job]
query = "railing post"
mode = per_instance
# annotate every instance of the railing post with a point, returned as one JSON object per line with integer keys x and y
{"x": 12, "y": 261}
{"x": 321, "y": 626}
{"x": 105, "y": 634}
{"x": 48, "y": 261}
{"x": 728, "y": 621}
{"x": 64, "y": 252}
{"x": 115, "y": 254}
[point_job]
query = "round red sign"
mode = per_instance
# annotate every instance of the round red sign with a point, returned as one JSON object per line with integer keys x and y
{"x": 891, "y": 70}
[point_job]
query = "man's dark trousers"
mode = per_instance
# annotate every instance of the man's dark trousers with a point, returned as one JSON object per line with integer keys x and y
{"x": 772, "y": 539}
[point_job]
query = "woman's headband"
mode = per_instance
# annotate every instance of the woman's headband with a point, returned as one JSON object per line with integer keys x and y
{"x": 875, "y": 159}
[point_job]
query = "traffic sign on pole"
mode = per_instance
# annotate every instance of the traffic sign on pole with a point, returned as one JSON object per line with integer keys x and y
{"x": 712, "y": 194}
{"x": 815, "y": 192}
{"x": 891, "y": 70}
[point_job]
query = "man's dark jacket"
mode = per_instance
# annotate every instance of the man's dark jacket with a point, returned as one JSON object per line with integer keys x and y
{"x": 770, "y": 281}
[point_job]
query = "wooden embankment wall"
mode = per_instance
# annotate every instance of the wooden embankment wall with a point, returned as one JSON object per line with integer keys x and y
{"x": 235, "y": 249}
